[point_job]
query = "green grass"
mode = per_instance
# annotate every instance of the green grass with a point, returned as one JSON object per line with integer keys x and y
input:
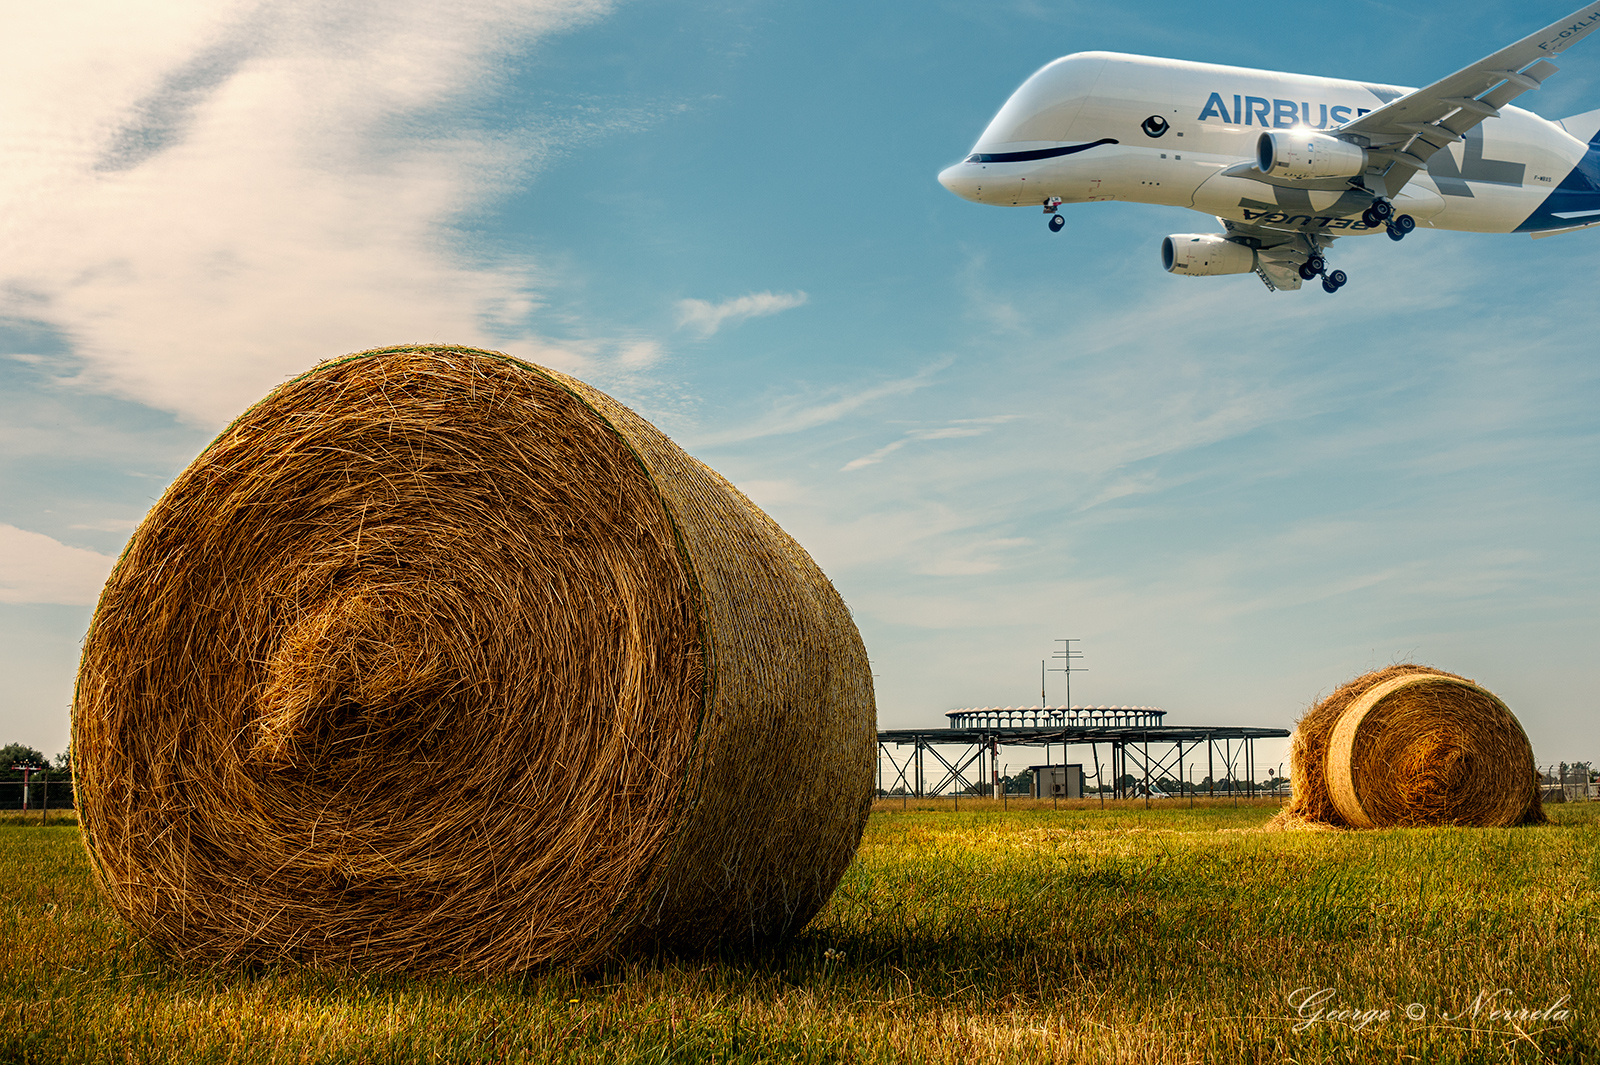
{"x": 1030, "y": 934}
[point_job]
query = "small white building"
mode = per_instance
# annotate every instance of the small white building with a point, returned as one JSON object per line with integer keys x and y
{"x": 1057, "y": 781}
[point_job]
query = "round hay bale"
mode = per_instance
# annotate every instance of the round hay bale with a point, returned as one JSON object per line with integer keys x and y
{"x": 1412, "y": 745}
{"x": 438, "y": 660}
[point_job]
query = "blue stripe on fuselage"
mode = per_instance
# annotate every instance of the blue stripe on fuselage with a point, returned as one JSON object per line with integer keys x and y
{"x": 1573, "y": 202}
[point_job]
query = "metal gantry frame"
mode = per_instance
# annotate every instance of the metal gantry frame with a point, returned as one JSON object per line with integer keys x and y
{"x": 1140, "y": 746}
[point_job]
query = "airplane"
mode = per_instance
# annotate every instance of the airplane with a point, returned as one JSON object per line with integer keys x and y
{"x": 1288, "y": 163}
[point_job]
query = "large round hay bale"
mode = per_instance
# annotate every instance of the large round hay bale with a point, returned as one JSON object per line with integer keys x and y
{"x": 435, "y": 659}
{"x": 1412, "y": 745}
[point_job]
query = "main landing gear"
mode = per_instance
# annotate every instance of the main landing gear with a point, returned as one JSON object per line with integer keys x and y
{"x": 1316, "y": 265}
{"x": 1381, "y": 213}
{"x": 1056, "y": 221}
{"x": 1400, "y": 226}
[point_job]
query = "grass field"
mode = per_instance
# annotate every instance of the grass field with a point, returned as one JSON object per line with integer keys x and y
{"x": 1030, "y": 934}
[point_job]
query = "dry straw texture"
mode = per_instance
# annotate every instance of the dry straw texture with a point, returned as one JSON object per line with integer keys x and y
{"x": 1411, "y": 745}
{"x": 439, "y": 660}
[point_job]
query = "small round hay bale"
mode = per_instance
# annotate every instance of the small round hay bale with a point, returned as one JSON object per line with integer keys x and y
{"x": 437, "y": 660}
{"x": 1411, "y": 745}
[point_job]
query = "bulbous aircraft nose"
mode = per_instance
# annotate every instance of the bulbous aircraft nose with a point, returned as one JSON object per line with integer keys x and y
{"x": 963, "y": 179}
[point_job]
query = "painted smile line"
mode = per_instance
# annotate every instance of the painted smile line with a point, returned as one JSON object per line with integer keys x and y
{"x": 1037, "y": 153}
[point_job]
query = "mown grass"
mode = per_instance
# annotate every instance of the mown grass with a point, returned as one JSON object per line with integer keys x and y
{"x": 1029, "y": 934}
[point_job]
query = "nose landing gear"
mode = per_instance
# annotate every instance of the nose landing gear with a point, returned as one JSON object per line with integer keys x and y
{"x": 1056, "y": 221}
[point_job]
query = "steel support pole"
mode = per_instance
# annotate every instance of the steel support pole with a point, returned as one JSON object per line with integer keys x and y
{"x": 1099, "y": 783}
{"x": 1147, "y": 774}
{"x": 1233, "y": 785}
{"x": 1183, "y": 778}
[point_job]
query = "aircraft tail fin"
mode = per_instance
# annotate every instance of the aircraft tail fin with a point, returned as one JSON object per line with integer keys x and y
{"x": 1584, "y": 126}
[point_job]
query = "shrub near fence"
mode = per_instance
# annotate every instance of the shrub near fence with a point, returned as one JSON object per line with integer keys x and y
{"x": 60, "y": 794}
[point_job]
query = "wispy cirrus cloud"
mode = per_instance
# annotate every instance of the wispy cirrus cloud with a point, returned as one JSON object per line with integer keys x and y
{"x": 207, "y": 198}
{"x": 797, "y": 414}
{"x": 35, "y": 568}
{"x": 964, "y": 427}
{"x": 705, "y": 317}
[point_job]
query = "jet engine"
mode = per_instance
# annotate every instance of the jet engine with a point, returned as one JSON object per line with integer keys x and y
{"x": 1301, "y": 155}
{"x": 1205, "y": 254}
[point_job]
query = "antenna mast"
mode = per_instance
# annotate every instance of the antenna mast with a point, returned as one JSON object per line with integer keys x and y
{"x": 1066, "y": 655}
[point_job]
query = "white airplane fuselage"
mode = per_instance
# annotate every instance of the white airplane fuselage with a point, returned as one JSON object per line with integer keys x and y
{"x": 1107, "y": 126}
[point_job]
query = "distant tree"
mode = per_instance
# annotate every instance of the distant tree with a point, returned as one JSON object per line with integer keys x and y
{"x": 61, "y": 765}
{"x": 19, "y": 754}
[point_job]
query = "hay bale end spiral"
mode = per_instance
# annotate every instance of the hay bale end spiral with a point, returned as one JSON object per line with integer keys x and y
{"x": 438, "y": 660}
{"x": 1411, "y": 745}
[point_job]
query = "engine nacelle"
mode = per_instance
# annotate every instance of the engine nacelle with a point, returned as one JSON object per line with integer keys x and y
{"x": 1300, "y": 155}
{"x": 1205, "y": 254}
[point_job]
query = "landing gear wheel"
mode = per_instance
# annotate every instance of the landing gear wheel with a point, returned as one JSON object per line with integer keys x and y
{"x": 1382, "y": 210}
{"x": 1400, "y": 226}
{"x": 1329, "y": 286}
{"x": 1338, "y": 277}
{"x": 1306, "y": 273}
{"x": 1316, "y": 264}
{"x": 1056, "y": 222}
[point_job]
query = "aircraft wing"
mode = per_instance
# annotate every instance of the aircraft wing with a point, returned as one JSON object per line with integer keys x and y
{"x": 1402, "y": 134}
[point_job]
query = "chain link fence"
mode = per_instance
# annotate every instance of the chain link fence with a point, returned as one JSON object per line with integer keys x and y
{"x": 1558, "y": 782}
{"x": 59, "y": 795}
{"x": 1568, "y": 782}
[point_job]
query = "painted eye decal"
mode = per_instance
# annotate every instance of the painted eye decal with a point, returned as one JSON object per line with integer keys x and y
{"x": 1155, "y": 125}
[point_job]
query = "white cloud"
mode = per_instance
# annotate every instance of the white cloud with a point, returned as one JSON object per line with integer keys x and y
{"x": 960, "y": 429}
{"x": 207, "y": 198}
{"x": 797, "y": 414}
{"x": 877, "y": 456}
{"x": 35, "y": 568}
{"x": 771, "y": 493}
{"x": 638, "y": 354}
{"x": 706, "y": 318}
{"x": 109, "y": 525}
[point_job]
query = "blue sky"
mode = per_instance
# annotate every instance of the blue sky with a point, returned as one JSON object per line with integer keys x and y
{"x": 988, "y": 435}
